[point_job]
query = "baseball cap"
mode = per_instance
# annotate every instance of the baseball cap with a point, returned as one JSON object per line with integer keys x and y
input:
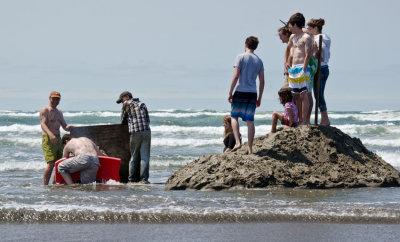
{"x": 55, "y": 94}
{"x": 123, "y": 94}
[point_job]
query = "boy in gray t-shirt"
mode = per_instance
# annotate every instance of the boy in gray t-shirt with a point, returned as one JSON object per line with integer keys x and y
{"x": 244, "y": 101}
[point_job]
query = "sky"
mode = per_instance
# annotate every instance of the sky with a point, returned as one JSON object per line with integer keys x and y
{"x": 179, "y": 54}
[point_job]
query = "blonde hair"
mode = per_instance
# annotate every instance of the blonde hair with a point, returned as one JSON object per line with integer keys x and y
{"x": 316, "y": 23}
{"x": 228, "y": 130}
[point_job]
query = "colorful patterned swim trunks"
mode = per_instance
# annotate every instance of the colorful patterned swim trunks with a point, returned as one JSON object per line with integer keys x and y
{"x": 300, "y": 81}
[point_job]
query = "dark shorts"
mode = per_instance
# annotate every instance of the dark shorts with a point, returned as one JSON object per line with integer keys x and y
{"x": 244, "y": 105}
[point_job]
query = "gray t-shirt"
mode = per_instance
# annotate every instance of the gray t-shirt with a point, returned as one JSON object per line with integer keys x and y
{"x": 250, "y": 65}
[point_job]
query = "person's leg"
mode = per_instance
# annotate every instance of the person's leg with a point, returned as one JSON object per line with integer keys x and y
{"x": 304, "y": 107}
{"x": 297, "y": 101}
{"x": 145, "y": 155}
{"x": 88, "y": 166}
{"x": 322, "y": 103}
{"x": 47, "y": 172}
{"x": 134, "y": 142}
{"x": 235, "y": 128}
{"x": 310, "y": 107}
{"x": 250, "y": 135}
{"x": 274, "y": 121}
{"x": 52, "y": 153}
{"x": 275, "y": 116}
{"x": 67, "y": 178}
{"x": 72, "y": 165}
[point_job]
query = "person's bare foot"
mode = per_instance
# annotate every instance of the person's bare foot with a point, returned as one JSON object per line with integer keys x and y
{"x": 325, "y": 124}
{"x": 236, "y": 147}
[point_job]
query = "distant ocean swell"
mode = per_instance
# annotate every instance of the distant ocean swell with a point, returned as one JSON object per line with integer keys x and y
{"x": 378, "y": 130}
{"x": 384, "y": 115}
{"x": 351, "y": 129}
{"x": 12, "y": 215}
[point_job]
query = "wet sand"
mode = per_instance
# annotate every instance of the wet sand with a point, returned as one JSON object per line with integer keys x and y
{"x": 201, "y": 232}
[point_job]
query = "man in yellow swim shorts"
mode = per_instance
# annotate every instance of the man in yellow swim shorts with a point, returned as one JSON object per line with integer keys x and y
{"x": 51, "y": 119}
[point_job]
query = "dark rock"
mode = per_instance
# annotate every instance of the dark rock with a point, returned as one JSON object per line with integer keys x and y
{"x": 308, "y": 157}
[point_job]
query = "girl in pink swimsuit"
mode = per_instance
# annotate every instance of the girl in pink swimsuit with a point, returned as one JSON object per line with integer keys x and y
{"x": 289, "y": 117}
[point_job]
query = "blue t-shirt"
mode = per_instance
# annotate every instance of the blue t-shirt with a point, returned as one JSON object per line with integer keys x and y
{"x": 250, "y": 65}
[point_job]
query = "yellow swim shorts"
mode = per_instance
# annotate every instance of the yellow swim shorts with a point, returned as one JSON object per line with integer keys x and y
{"x": 51, "y": 152}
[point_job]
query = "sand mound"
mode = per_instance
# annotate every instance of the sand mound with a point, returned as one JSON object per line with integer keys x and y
{"x": 308, "y": 156}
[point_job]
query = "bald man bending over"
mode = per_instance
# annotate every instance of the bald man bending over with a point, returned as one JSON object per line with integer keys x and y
{"x": 85, "y": 159}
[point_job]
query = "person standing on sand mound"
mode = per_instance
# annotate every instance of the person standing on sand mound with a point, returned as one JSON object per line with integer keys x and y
{"x": 244, "y": 101}
{"x": 301, "y": 66}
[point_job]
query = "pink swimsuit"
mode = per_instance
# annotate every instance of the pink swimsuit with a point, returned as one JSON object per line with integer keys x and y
{"x": 292, "y": 106}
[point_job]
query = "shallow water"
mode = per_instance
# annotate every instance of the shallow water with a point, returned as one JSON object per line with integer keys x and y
{"x": 202, "y": 232}
{"x": 179, "y": 137}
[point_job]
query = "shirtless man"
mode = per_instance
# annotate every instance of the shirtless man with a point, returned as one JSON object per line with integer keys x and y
{"x": 50, "y": 121}
{"x": 85, "y": 159}
{"x": 300, "y": 46}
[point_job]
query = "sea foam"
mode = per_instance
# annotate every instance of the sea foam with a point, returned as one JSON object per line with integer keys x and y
{"x": 21, "y": 128}
{"x": 381, "y": 142}
{"x": 185, "y": 142}
{"x": 27, "y": 165}
{"x": 387, "y": 116}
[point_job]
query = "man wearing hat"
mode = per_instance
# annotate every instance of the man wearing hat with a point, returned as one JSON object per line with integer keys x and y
{"x": 134, "y": 113}
{"x": 50, "y": 121}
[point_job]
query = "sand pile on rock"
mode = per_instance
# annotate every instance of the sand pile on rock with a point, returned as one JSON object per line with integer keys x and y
{"x": 308, "y": 156}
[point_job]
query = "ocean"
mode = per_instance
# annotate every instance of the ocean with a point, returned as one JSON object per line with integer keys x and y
{"x": 179, "y": 137}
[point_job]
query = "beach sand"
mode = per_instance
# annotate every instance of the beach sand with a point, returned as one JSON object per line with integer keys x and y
{"x": 201, "y": 232}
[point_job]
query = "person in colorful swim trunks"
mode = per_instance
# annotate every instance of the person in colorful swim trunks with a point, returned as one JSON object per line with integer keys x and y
{"x": 290, "y": 116}
{"x": 51, "y": 119}
{"x": 312, "y": 63}
{"x": 300, "y": 72}
{"x": 245, "y": 100}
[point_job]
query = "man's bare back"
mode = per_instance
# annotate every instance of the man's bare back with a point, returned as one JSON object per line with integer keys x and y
{"x": 81, "y": 145}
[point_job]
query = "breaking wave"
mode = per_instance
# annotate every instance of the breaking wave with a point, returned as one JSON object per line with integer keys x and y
{"x": 23, "y": 215}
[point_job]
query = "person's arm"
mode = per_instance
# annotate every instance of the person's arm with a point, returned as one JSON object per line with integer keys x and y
{"x": 308, "y": 52}
{"x": 231, "y": 142}
{"x": 64, "y": 124}
{"x": 261, "y": 88}
{"x": 101, "y": 152}
{"x": 145, "y": 113}
{"x": 66, "y": 150}
{"x": 291, "y": 117}
{"x": 124, "y": 116}
{"x": 235, "y": 79}
{"x": 287, "y": 53}
{"x": 43, "y": 120}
